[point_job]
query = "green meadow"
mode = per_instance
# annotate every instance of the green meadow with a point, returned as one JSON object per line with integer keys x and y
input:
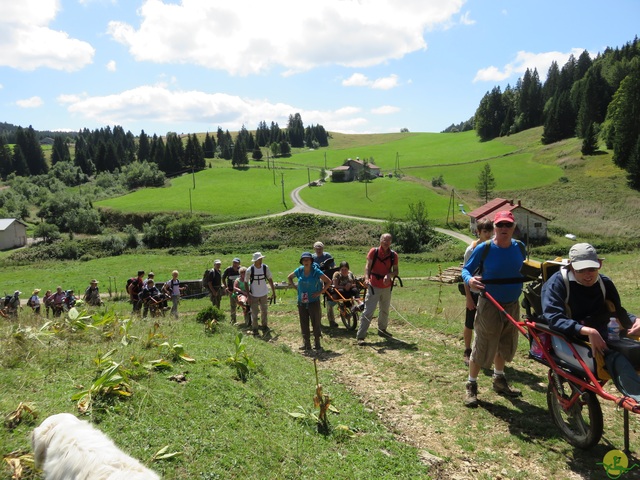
{"x": 226, "y": 193}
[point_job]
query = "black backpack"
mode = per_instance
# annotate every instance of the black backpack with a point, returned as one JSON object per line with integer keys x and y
{"x": 205, "y": 278}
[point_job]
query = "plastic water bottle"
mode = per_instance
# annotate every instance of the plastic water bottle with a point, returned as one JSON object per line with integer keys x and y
{"x": 613, "y": 329}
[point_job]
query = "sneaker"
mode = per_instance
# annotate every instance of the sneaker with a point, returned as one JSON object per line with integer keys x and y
{"x": 471, "y": 397}
{"x": 360, "y": 341}
{"x": 253, "y": 332}
{"x": 306, "y": 346}
{"x": 467, "y": 356}
{"x": 384, "y": 333}
{"x": 501, "y": 386}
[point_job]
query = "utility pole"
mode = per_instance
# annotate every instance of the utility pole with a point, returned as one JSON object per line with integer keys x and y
{"x": 193, "y": 173}
{"x": 282, "y": 181}
{"x": 309, "y": 175}
{"x": 325, "y": 160}
{"x": 190, "y": 204}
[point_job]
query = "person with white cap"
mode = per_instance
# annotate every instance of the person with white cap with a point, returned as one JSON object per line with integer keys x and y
{"x": 34, "y": 301}
{"x": 574, "y": 300}
{"x": 214, "y": 283}
{"x": 257, "y": 276}
{"x": 229, "y": 276}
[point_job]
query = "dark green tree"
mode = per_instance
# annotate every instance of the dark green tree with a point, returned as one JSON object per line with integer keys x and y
{"x": 144, "y": 147}
{"x": 633, "y": 169}
{"x": 32, "y": 151}
{"x": 19, "y": 162}
{"x": 624, "y": 117}
{"x": 257, "y": 153}
{"x": 6, "y": 158}
{"x": 295, "y": 131}
{"x": 490, "y": 115}
{"x": 590, "y": 141}
{"x": 239, "y": 155}
{"x": 486, "y": 183}
{"x": 60, "y": 150}
{"x": 209, "y": 146}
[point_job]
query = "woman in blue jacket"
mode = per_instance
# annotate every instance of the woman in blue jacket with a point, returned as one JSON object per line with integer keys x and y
{"x": 312, "y": 283}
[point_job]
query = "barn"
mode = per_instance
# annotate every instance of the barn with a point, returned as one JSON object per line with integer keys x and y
{"x": 530, "y": 224}
{"x": 13, "y": 233}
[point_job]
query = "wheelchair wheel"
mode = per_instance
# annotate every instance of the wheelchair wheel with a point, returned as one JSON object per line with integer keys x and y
{"x": 581, "y": 423}
{"x": 349, "y": 317}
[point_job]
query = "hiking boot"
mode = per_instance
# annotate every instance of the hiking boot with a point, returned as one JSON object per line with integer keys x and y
{"x": 253, "y": 332}
{"x": 501, "y": 386}
{"x": 467, "y": 356}
{"x": 317, "y": 346}
{"x": 384, "y": 333}
{"x": 306, "y": 346}
{"x": 333, "y": 324}
{"x": 471, "y": 397}
{"x": 360, "y": 341}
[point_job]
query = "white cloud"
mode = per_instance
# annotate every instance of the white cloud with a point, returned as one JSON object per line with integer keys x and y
{"x": 465, "y": 19}
{"x": 33, "y": 102}
{"x": 385, "y": 110}
{"x": 540, "y": 61}
{"x": 27, "y": 43}
{"x": 158, "y": 103}
{"x": 247, "y": 37}
{"x": 361, "y": 80}
{"x": 111, "y": 66}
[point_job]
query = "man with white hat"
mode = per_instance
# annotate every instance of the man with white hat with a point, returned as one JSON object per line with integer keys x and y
{"x": 257, "y": 276}
{"x": 574, "y": 299}
{"x": 326, "y": 263}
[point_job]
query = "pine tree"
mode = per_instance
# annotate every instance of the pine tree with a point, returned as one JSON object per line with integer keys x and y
{"x": 60, "y": 150}
{"x": 209, "y": 146}
{"x": 486, "y": 183}
{"x": 6, "y": 158}
{"x": 144, "y": 147}
{"x": 590, "y": 141}
{"x": 633, "y": 169}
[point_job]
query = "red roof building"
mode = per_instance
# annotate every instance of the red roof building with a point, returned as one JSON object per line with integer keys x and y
{"x": 529, "y": 224}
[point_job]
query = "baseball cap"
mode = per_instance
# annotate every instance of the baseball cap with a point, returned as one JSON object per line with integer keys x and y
{"x": 318, "y": 245}
{"x": 217, "y": 262}
{"x": 236, "y": 260}
{"x": 504, "y": 216}
{"x": 583, "y": 255}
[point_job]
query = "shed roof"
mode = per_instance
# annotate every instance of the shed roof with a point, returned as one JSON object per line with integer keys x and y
{"x": 6, "y": 223}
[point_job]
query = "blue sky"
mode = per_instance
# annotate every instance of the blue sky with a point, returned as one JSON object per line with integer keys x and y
{"x": 354, "y": 66}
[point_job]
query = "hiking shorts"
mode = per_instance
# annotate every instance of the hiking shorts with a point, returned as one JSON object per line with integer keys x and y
{"x": 494, "y": 333}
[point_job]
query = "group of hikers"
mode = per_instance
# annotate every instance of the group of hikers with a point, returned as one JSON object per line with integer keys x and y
{"x": 54, "y": 302}
{"x": 248, "y": 288}
{"x": 576, "y": 301}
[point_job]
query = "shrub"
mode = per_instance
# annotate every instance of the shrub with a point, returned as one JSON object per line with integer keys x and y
{"x": 210, "y": 313}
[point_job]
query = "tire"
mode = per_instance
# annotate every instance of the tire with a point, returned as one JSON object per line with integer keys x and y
{"x": 349, "y": 318}
{"x": 582, "y": 424}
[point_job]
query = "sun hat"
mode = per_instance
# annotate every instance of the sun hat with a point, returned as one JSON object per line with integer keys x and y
{"x": 318, "y": 245}
{"x": 17, "y": 292}
{"x": 236, "y": 260}
{"x": 151, "y": 274}
{"x": 257, "y": 256}
{"x": 505, "y": 216}
{"x": 583, "y": 255}
{"x": 306, "y": 255}
{"x": 36, "y": 291}
{"x": 94, "y": 281}
{"x": 218, "y": 262}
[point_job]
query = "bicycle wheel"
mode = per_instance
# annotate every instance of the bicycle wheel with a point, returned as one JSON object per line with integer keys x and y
{"x": 349, "y": 317}
{"x": 581, "y": 423}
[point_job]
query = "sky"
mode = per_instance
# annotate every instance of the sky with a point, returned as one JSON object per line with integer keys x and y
{"x": 353, "y": 66}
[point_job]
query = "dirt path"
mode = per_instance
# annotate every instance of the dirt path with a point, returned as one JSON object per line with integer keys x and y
{"x": 377, "y": 374}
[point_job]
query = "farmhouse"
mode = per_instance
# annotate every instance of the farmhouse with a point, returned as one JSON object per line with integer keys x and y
{"x": 530, "y": 225}
{"x": 352, "y": 169}
{"x": 13, "y": 233}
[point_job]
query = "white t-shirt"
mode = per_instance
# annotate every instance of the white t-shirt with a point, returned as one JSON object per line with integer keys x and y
{"x": 174, "y": 287}
{"x": 260, "y": 286}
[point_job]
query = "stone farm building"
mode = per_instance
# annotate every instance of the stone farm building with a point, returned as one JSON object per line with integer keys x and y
{"x": 13, "y": 233}
{"x": 530, "y": 225}
{"x": 351, "y": 170}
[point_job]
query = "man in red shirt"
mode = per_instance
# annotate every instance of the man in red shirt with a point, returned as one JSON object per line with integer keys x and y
{"x": 380, "y": 270}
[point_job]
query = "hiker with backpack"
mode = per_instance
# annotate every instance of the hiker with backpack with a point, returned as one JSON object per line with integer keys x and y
{"x": 34, "y": 301}
{"x": 380, "y": 270}
{"x": 173, "y": 288}
{"x": 259, "y": 279}
{"x": 229, "y": 277}
{"x": 494, "y": 267}
{"x": 57, "y": 301}
{"x": 241, "y": 295}
{"x": 12, "y": 304}
{"x": 134, "y": 287}
{"x": 214, "y": 284}
{"x": 327, "y": 264}
{"x": 312, "y": 283}
{"x": 574, "y": 300}
{"x": 484, "y": 230}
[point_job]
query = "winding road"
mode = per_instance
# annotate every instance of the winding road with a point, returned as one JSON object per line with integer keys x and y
{"x": 299, "y": 206}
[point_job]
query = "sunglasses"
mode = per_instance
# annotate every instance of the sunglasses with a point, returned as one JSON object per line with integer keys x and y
{"x": 587, "y": 270}
{"x": 504, "y": 225}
